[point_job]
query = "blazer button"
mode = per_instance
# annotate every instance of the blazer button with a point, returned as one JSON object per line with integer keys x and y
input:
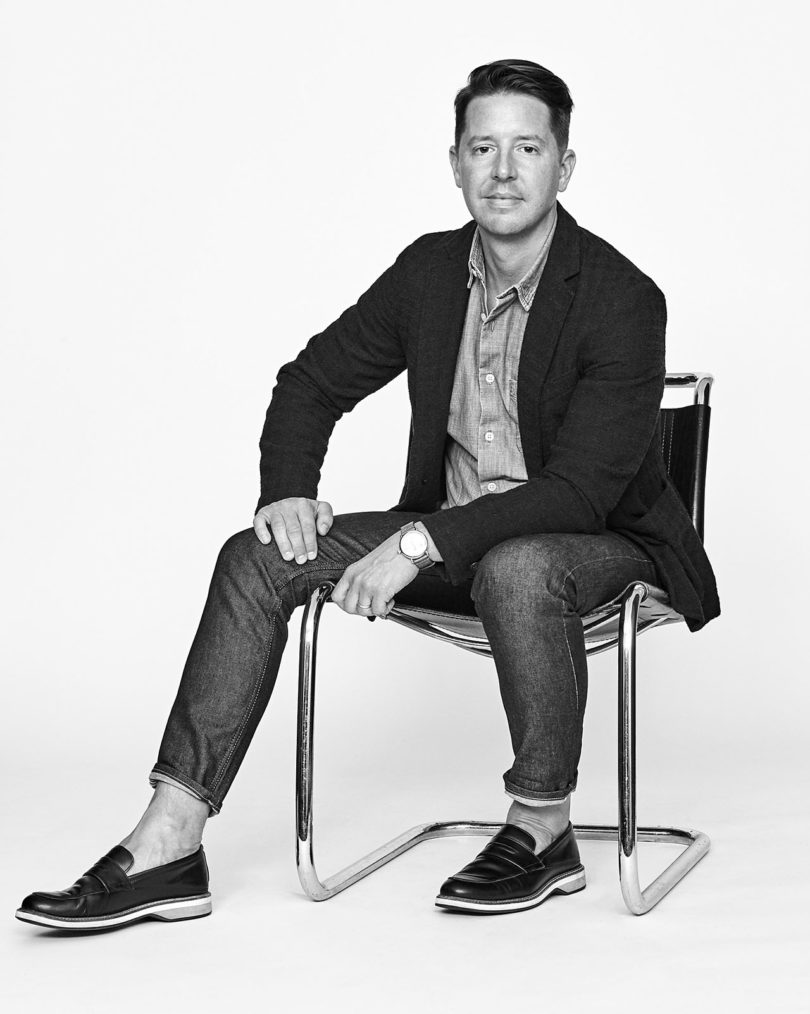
{"x": 424, "y": 482}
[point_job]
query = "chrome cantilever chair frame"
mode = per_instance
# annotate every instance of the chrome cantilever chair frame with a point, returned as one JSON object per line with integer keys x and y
{"x": 640, "y": 607}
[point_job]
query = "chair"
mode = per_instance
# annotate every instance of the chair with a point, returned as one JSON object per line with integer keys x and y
{"x": 684, "y": 435}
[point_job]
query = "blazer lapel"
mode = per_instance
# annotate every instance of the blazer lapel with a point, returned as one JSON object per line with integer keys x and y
{"x": 543, "y": 327}
{"x": 442, "y": 326}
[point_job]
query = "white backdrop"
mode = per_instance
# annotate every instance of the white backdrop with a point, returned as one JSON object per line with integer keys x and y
{"x": 189, "y": 191}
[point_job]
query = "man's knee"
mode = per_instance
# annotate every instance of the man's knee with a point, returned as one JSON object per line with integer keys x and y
{"x": 243, "y": 556}
{"x": 239, "y": 551}
{"x": 257, "y": 567}
{"x": 526, "y": 566}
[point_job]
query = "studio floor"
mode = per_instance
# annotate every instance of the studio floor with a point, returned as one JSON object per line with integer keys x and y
{"x": 732, "y": 936}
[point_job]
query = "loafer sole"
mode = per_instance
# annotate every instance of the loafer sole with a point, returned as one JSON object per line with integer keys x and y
{"x": 569, "y": 882}
{"x": 168, "y": 910}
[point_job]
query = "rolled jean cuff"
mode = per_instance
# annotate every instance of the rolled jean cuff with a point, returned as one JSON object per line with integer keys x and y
{"x": 533, "y": 797}
{"x": 186, "y": 784}
{"x": 535, "y": 802}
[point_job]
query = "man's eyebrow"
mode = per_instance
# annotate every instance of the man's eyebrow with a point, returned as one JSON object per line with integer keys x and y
{"x": 477, "y": 138}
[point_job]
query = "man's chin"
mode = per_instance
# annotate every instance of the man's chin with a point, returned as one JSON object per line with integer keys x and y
{"x": 512, "y": 224}
{"x": 501, "y": 225}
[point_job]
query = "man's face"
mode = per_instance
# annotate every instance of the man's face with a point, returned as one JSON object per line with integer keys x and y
{"x": 508, "y": 165}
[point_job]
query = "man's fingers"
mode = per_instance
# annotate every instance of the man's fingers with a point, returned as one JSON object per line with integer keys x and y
{"x": 344, "y": 594}
{"x": 261, "y": 529}
{"x": 339, "y": 591}
{"x": 279, "y": 527}
{"x": 300, "y": 525}
{"x": 324, "y": 517}
{"x": 379, "y": 605}
{"x": 295, "y": 524}
{"x": 308, "y": 533}
{"x": 353, "y": 595}
{"x": 359, "y": 598}
{"x": 364, "y": 601}
{"x": 295, "y": 536}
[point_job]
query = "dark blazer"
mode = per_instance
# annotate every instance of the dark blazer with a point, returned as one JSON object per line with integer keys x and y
{"x": 590, "y": 383}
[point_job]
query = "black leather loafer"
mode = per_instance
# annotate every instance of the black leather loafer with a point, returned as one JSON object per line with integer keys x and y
{"x": 507, "y": 876}
{"x": 105, "y": 896}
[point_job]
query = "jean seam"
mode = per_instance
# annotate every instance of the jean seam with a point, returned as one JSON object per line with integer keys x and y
{"x": 248, "y": 711}
{"x": 570, "y": 655}
{"x": 257, "y": 686}
{"x": 608, "y": 559}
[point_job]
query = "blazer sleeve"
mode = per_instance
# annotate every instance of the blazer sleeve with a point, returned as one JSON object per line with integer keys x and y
{"x": 599, "y": 446}
{"x": 356, "y": 355}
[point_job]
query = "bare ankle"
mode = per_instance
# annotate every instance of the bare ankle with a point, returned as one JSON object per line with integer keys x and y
{"x": 147, "y": 854}
{"x": 176, "y": 810}
{"x": 170, "y": 828}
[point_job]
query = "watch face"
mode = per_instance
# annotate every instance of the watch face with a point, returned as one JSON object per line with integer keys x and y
{"x": 413, "y": 543}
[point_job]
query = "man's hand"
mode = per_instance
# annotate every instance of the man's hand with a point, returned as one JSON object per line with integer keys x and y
{"x": 295, "y": 523}
{"x": 368, "y": 587}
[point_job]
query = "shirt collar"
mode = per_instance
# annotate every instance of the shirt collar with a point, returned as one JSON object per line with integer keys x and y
{"x": 527, "y": 286}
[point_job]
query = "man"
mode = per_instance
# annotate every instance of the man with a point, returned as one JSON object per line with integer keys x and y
{"x": 535, "y": 491}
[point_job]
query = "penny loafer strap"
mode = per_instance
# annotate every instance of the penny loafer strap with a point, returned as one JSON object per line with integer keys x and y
{"x": 507, "y": 854}
{"x": 110, "y": 875}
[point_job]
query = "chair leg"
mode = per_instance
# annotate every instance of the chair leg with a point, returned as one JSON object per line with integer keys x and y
{"x": 317, "y": 889}
{"x": 626, "y": 833}
{"x": 639, "y": 900}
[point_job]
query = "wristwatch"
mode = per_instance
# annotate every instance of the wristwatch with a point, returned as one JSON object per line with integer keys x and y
{"x": 414, "y": 544}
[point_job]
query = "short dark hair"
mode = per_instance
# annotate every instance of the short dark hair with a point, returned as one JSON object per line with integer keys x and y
{"x": 518, "y": 76}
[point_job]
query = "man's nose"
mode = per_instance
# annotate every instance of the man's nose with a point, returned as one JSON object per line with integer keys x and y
{"x": 503, "y": 168}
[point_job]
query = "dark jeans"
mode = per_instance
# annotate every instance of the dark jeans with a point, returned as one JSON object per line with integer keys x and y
{"x": 528, "y": 591}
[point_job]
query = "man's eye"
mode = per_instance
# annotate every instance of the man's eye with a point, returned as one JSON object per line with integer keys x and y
{"x": 528, "y": 147}
{"x": 482, "y": 149}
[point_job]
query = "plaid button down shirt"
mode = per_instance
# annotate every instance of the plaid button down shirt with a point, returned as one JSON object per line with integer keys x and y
{"x": 484, "y": 453}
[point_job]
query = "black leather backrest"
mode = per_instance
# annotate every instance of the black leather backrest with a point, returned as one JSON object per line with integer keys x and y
{"x": 684, "y": 435}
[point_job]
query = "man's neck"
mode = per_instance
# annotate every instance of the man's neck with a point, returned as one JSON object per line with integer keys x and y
{"x": 508, "y": 258}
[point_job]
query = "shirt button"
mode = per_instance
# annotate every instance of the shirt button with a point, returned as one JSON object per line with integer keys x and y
{"x": 483, "y": 316}
{"x": 492, "y": 486}
{"x": 489, "y": 435}
{"x": 490, "y": 377}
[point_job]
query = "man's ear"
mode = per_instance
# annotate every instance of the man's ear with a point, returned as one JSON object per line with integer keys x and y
{"x": 454, "y": 164}
{"x": 567, "y": 164}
